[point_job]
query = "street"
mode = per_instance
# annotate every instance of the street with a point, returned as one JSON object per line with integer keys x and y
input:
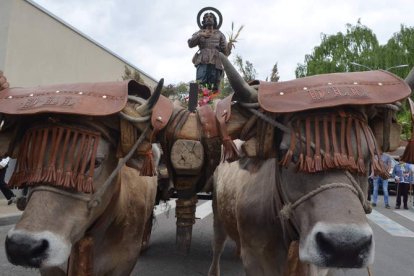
{"x": 393, "y": 232}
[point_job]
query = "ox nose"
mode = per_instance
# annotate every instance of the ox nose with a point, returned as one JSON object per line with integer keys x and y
{"x": 26, "y": 251}
{"x": 334, "y": 246}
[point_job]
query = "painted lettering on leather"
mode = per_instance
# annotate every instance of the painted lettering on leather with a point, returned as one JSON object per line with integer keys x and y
{"x": 328, "y": 93}
{"x": 39, "y": 102}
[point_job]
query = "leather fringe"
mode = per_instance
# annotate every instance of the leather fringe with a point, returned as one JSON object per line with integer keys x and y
{"x": 341, "y": 134}
{"x": 148, "y": 167}
{"x": 57, "y": 155}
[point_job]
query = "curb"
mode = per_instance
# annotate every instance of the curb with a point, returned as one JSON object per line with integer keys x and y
{"x": 10, "y": 219}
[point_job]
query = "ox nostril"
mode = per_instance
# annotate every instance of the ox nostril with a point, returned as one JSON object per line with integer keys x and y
{"x": 325, "y": 243}
{"x": 26, "y": 251}
{"x": 333, "y": 246}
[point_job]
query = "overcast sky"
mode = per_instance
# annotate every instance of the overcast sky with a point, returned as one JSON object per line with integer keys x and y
{"x": 153, "y": 34}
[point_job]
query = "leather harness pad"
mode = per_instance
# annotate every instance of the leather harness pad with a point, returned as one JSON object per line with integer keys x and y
{"x": 328, "y": 90}
{"x": 96, "y": 99}
{"x": 161, "y": 113}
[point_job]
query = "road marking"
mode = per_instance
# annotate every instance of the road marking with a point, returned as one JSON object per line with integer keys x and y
{"x": 389, "y": 225}
{"x": 204, "y": 210}
{"x": 406, "y": 214}
{"x": 164, "y": 207}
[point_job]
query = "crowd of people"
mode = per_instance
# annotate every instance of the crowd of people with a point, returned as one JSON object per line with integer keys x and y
{"x": 403, "y": 175}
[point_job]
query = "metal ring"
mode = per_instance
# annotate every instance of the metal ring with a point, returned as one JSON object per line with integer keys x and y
{"x": 210, "y": 9}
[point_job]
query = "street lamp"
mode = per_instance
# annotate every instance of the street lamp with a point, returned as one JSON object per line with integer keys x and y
{"x": 357, "y": 64}
{"x": 389, "y": 68}
{"x": 397, "y": 66}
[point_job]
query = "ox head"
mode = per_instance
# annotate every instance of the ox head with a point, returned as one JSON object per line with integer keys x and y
{"x": 69, "y": 165}
{"x": 323, "y": 205}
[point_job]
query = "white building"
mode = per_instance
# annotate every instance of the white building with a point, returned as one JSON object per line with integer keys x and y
{"x": 37, "y": 48}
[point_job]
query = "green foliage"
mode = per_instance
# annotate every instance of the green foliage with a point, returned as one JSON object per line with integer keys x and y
{"x": 336, "y": 52}
{"x": 404, "y": 119}
{"x": 274, "y": 75}
{"x": 246, "y": 68}
{"x": 131, "y": 74}
{"x": 399, "y": 50}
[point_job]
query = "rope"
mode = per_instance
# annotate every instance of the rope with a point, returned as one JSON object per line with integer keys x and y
{"x": 288, "y": 208}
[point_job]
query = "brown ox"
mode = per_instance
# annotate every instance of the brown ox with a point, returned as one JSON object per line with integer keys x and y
{"x": 56, "y": 219}
{"x": 264, "y": 206}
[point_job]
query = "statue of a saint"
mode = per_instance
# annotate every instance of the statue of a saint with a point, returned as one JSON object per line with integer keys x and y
{"x": 210, "y": 41}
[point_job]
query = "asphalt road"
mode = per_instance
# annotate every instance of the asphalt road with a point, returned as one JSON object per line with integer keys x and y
{"x": 393, "y": 232}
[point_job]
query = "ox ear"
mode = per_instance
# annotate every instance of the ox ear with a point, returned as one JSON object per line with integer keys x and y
{"x": 241, "y": 88}
{"x": 7, "y": 132}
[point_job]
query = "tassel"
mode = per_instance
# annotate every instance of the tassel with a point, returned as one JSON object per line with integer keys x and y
{"x": 67, "y": 180}
{"x": 59, "y": 177}
{"x": 148, "y": 167}
{"x": 327, "y": 158}
{"x": 361, "y": 166}
{"x": 37, "y": 176}
{"x": 286, "y": 159}
{"x": 337, "y": 159}
{"x": 230, "y": 152}
{"x": 309, "y": 165}
{"x": 344, "y": 157}
{"x": 318, "y": 163}
{"x": 317, "y": 159}
{"x": 50, "y": 175}
{"x": 351, "y": 159}
{"x": 301, "y": 165}
{"x": 328, "y": 161}
{"x": 288, "y": 156}
{"x": 88, "y": 185}
{"x": 79, "y": 182}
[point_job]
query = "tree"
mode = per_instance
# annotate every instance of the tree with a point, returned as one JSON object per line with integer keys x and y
{"x": 131, "y": 75}
{"x": 399, "y": 50}
{"x": 336, "y": 52}
{"x": 274, "y": 75}
{"x": 246, "y": 68}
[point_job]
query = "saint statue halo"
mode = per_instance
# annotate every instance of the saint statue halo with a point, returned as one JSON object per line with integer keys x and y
{"x": 216, "y": 11}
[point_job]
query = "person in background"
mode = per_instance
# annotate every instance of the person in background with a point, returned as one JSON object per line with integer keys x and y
{"x": 402, "y": 175}
{"x": 8, "y": 194}
{"x": 377, "y": 181}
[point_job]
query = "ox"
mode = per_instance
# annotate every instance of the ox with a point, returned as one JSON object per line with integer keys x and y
{"x": 107, "y": 220}
{"x": 264, "y": 206}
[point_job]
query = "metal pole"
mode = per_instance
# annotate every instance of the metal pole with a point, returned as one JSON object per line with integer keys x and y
{"x": 193, "y": 97}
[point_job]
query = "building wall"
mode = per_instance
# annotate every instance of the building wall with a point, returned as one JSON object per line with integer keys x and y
{"x": 41, "y": 49}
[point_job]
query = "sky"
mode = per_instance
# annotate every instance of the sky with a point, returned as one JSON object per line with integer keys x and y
{"x": 152, "y": 34}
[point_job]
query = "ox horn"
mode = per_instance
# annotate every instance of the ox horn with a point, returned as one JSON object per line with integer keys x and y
{"x": 146, "y": 108}
{"x": 410, "y": 79}
{"x": 241, "y": 88}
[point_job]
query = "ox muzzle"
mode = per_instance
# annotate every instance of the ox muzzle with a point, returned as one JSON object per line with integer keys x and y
{"x": 338, "y": 245}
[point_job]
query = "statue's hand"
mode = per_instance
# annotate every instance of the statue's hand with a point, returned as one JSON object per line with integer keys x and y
{"x": 205, "y": 34}
{"x": 3, "y": 81}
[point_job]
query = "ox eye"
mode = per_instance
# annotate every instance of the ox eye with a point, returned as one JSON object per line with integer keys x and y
{"x": 98, "y": 162}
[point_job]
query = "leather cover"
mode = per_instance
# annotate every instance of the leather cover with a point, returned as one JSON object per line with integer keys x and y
{"x": 96, "y": 99}
{"x": 328, "y": 90}
{"x": 161, "y": 113}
